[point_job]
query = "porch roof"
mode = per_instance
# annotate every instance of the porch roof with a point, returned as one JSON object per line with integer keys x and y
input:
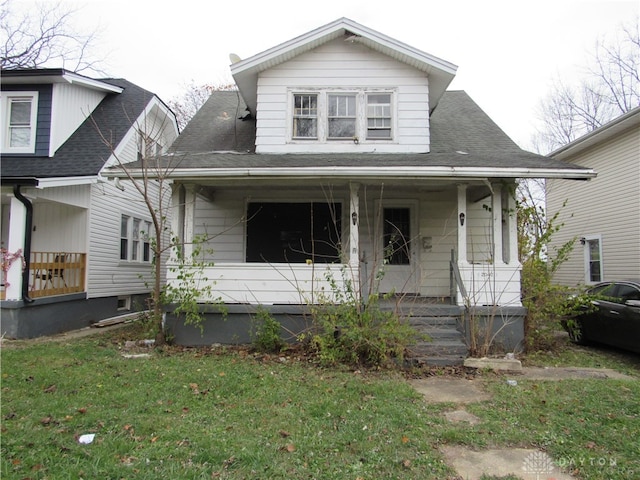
{"x": 358, "y": 165}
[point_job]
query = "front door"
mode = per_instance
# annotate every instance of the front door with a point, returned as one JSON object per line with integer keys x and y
{"x": 398, "y": 235}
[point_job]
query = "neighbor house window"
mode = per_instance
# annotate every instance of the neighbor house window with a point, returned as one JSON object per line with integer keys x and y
{"x": 135, "y": 239}
{"x": 331, "y": 115}
{"x": 593, "y": 259}
{"x": 293, "y": 232}
{"x": 20, "y": 113}
{"x": 305, "y": 116}
{"x": 124, "y": 237}
{"x": 146, "y": 243}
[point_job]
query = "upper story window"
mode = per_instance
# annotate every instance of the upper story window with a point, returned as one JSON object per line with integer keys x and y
{"x": 19, "y": 112}
{"x": 379, "y": 115}
{"x": 341, "y": 116}
{"x": 305, "y": 116}
{"x": 332, "y": 115}
{"x": 149, "y": 147}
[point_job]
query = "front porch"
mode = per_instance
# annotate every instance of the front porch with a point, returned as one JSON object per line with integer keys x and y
{"x": 50, "y": 274}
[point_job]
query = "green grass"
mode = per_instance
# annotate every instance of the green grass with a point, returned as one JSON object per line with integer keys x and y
{"x": 191, "y": 414}
{"x": 196, "y": 414}
{"x": 567, "y": 354}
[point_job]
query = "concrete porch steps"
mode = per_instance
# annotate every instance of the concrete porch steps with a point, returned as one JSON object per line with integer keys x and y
{"x": 445, "y": 344}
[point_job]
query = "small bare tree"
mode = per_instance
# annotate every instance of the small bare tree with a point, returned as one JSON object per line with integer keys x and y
{"x": 42, "y": 37}
{"x": 151, "y": 181}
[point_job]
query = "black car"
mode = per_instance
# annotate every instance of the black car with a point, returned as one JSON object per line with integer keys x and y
{"x": 615, "y": 318}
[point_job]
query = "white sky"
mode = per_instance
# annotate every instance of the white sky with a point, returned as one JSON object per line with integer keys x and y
{"x": 507, "y": 51}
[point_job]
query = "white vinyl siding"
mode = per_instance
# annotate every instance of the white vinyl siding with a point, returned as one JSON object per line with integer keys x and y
{"x": 341, "y": 66}
{"x": 107, "y": 274}
{"x": 53, "y": 235}
{"x": 71, "y": 106}
{"x": 606, "y": 206}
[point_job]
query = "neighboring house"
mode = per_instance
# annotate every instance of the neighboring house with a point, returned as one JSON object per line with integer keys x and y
{"x": 342, "y": 162}
{"x": 84, "y": 240}
{"x": 603, "y": 215}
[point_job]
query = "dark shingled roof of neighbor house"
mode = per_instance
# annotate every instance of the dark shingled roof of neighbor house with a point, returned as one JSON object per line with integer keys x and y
{"x": 84, "y": 153}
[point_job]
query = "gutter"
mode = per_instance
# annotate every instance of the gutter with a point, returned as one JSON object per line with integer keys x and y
{"x": 27, "y": 238}
{"x": 372, "y": 172}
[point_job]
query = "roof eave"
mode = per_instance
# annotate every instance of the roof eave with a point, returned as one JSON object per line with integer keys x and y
{"x": 55, "y": 75}
{"x": 388, "y": 173}
{"x": 245, "y": 72}
{"x": 601, "y": 134}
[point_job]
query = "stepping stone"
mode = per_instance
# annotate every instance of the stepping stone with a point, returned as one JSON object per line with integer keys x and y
{"x": 459, "y": 416}
{"x": 527, "y": 464}
{"x": 449, "y": 390}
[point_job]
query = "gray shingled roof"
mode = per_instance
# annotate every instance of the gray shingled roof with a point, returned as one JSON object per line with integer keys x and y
{"x": 217, "y": 139}
{"x": 84, "y": 153}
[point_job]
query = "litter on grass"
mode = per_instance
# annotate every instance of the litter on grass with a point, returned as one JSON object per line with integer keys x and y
{"x": 87, "y": 438}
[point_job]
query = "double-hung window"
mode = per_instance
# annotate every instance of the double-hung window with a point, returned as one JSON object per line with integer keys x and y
{"x": 135, "y": 239}
{"x": 341, "y": 115}
{"x": 305, "y": 116}
{"x": 20, "y": 114}
{"x": 379, "y": 116}
{"x": 593, "y": 259}
{"x": 330, "y": 115}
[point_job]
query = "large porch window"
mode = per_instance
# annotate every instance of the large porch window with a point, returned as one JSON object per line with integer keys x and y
{"x": 293, "y": 232}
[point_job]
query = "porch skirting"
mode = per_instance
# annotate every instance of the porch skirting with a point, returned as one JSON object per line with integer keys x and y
{"x": 235, "y": 327}
{"x": 58, "y": 314}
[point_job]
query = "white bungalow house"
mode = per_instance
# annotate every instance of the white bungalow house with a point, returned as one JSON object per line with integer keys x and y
{"x": 342, "y": 160}
{"x": 604, "y": 214}
{"x": 75, "y": 248}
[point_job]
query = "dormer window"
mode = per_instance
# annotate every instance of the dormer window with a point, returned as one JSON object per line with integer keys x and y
{"x": 342, "y": 116}
{"x": 379, "y": 116}
{"x": 333, "y": 115}
{"x": 20, "y": 111}
{"x": 305, "y": 116}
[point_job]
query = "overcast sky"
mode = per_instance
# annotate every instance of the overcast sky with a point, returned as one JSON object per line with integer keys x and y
{"x": 507, "y": 51}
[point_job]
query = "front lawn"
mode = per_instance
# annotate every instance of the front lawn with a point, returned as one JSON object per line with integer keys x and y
{"x": 211, "y": 413}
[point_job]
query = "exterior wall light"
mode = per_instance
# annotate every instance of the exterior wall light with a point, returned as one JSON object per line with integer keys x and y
{"x": 461, "y": 219}
{"x": 354, "y": 218}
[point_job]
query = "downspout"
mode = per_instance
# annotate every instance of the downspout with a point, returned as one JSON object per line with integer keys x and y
{"x": 27, "y": 242}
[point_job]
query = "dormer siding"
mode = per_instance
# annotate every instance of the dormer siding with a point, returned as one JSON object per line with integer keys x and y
{"x": 341, "y": 66}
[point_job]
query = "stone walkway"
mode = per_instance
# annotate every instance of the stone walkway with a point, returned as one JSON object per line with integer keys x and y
{"x": 527, "y": 464}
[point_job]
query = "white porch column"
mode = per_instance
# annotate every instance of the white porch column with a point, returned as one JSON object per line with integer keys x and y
{"x": 462, "y": 229}
{"x": 513, "y": 230}
{"x": 189, "y": 218}
{"x": 496, "y": 210}
{"x": 177, "y": 215}
{"x": 354, "y": 236}
{"x": 354, "y": 226}
{"x": 17, "y": 222}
